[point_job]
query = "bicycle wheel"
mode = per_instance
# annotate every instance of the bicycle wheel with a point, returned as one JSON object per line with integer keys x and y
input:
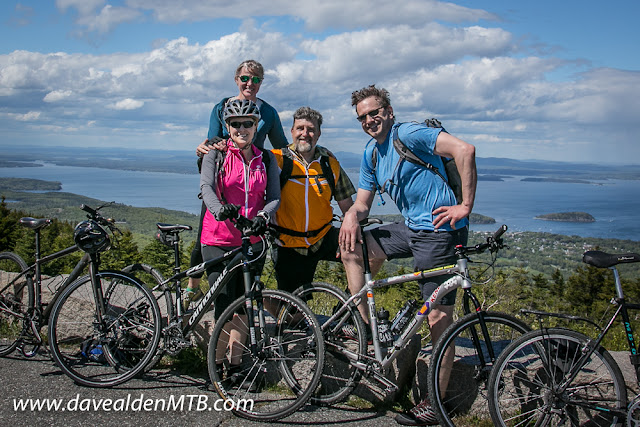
{"x": 529, "y": 383}
{"x": 16, "y": 297}
{"x": 339, "y": 376}
{"x": 153, "y": 278}
{"x": 277, "y": 376}
{"x": 464, "y": 394}
{"x": 110, "y": 352}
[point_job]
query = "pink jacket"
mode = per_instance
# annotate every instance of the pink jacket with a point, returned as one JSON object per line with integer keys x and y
{"x": 241, "y": 184}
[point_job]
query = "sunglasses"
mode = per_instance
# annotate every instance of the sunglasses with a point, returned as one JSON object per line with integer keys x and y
{"x": 247, "y": 124}
{"x": 371, "y": 114}
{"x": 254, "y": 79}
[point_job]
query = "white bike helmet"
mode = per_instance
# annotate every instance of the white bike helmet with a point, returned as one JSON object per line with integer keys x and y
{"x": 241, "y": 108}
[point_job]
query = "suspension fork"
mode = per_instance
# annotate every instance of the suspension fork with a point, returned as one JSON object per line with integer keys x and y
{"x": 96, "y": 286}
{"x": 475, "y": 338}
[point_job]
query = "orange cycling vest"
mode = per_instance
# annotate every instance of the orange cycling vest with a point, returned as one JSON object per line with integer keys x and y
{"x": 305, "y": 212}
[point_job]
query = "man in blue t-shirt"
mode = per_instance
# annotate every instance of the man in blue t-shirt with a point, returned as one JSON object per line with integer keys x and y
{"x": 434, "y": 223}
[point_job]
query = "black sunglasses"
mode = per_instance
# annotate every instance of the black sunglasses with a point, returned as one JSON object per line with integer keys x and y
{"x": 371, "y": 114}
{"x": 254, "y": 79}
{"x": 247, "y": 124}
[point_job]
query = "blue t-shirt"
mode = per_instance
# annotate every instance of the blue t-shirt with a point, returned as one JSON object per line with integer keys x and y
{"x": 269, "y": 125}
{"x": 416, "y": 191}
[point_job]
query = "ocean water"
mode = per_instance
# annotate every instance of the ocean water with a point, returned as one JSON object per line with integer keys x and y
{"x": 615, "y": 204}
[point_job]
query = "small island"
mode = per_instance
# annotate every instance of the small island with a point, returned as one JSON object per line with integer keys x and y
{"x": 567, "y": 217}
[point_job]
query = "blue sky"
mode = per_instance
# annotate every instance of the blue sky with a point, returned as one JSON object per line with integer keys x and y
{"x": 556, "y": 80}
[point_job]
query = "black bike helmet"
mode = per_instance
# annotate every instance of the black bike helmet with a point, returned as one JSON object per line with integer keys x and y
{"x": 91, "y": 237}
{"x": 241, "y": 108}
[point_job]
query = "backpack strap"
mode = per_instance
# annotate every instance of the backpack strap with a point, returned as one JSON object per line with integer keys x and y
{"x": 287, "y": 170}
{"x": 287, "y": 166}
{"x": 328, "y": 173}
{"x": 295, "y": 233}
{"x": 406, "y": 154}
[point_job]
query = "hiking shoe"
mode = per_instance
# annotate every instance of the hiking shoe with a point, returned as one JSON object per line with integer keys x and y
{"x": 351, "y": 333}
{"x": 237, "y": 378}
{"x": 189, "y": 297}
{"x": 420, "y": 415}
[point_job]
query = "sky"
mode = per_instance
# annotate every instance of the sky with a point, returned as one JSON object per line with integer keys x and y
{"x": 544, "y": 80}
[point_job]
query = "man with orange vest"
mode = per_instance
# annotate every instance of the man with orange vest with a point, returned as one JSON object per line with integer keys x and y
{"x": 310, "y": 177}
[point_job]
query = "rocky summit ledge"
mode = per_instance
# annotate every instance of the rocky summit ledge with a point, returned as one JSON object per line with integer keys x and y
{"x": 567, "y": 217}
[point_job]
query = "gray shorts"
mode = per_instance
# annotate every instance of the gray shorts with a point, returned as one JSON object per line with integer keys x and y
{"x": 429, "y": 249}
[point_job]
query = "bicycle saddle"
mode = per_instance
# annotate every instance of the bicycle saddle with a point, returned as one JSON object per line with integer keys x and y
{"x": 35, "y": 223}
{"x": 171, "y": 228}
{"x": 605, "y": 260}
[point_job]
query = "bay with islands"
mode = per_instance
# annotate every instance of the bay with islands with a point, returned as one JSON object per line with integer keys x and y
{"x": 555, "y": 197}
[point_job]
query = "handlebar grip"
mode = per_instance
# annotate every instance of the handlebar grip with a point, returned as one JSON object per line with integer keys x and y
{"x": 499, "y": 232}
{"x": 88, "y": 209}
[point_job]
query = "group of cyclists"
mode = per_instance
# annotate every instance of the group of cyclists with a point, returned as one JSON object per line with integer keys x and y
{"x": 291, "y": 188}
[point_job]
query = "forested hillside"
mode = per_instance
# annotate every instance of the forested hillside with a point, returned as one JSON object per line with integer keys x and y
{"x": 536, "y": 270}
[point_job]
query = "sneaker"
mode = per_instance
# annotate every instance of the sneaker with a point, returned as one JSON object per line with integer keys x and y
{"x": 351, "y": 333}
{"x": 189, "y": 297}
{"x": 237, "y": 377}
{"x": 420, "y": 415}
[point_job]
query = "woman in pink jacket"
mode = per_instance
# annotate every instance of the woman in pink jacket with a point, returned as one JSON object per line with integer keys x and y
{"x": 238, "y": 176}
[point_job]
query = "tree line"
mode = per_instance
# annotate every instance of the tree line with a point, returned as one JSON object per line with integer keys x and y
{"x": 582, "y": 291}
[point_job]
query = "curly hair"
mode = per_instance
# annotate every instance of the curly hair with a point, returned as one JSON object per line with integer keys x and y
{"x": 308, "y": 113}
{"x": 381, "y": 94}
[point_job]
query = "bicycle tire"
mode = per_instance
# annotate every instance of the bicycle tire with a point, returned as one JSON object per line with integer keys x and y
{"x": 339, "y": 376}
{"x": 147, "y": 273}
{"x": 523, "y": 387}
{"x": 15, "y": 302}
{"x": 466, "y": 390}
{"x": 279, "y": 376}
{"x": 107, "y": 354}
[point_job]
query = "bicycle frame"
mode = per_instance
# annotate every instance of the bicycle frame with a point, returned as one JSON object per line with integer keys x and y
{"x": 38, "y": 314}
{"x": 241, "y": 258}
{"x": 622, "y": 309}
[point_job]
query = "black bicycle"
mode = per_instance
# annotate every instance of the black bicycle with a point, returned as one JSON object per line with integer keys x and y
{"x": 266, "y": 348}
{"x": 557, "y": 376}
{"x": 101, "y": 326}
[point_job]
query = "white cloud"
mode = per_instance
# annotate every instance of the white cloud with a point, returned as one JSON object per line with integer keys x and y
{"x": 476, "y": 79}
{"x": 26, "y": 117}
{"x": 57, "y": 95}
{"x": 318, "y": 16}
{"x": 127, "y": 104}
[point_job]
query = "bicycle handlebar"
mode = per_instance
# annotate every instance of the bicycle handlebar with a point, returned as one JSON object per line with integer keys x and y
{"x": 494, "y": 243}
{"x": 95, "y": 215}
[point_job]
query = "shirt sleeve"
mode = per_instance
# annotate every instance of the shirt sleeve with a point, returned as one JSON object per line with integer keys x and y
{"x": 420, "y": 138}
{"x": 344, "y": 187}
{"x": 209, "y": 182}
{"x": 367, "y": 179}
{"x": 276, "y": 133}
{"x": 273, "y": 185}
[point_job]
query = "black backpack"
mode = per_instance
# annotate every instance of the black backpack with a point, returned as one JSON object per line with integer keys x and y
{"x": 454, "y": 181}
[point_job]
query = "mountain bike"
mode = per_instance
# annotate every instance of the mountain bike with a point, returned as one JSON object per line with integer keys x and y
{"x": 280, "y": 362}
{"x": 557, "y": 376}
{"x": 101, "y": 326}
{"x": 476, "y": 339}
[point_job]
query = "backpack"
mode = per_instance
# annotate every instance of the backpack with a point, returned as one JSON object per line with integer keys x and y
{"x": 454, "y": 181}
{"x": 287, "y": 169}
